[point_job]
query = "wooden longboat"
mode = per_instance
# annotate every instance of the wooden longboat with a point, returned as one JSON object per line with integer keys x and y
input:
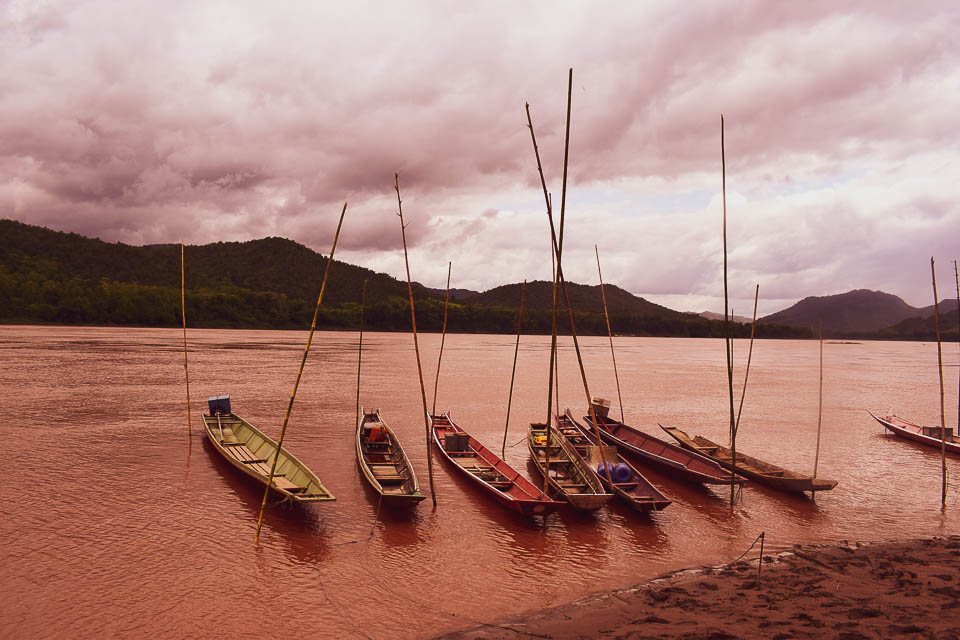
{"x": 638, "y": 493}
{"x": 929, "y": 436}
{"x": 252, "y": 452}
{"x": 569, "y": 474}
{"x": 757, "y": 470}
{"x": 383, "y": 462}
{"x": 487, "y": 471}
{"x": 673, "y": 460}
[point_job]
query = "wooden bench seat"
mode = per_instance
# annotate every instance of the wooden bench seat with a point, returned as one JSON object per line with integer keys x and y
{"x": 253, "y": 461}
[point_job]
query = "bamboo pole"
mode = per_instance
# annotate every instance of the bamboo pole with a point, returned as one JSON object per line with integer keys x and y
{"x": 816, "y": 459}
{"x": 363, "y": 305}
{"x": 442, "y": 340}
{"x": 303, "y": 361}
{"x": 513, "y": 375}
{"x": 726, "y": 323}
{"x": 557, "y": 246}
{"x": 606, "y": 316}
{"x": 956, "y": 275}
{"x": 186, "y": 371}
{"x": 746, "y": 376}
{"x": 943, "y": 420}
{"x": 416, "y": 344}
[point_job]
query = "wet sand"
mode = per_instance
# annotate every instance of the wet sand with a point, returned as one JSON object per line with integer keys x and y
{"x": 903, "y": 589}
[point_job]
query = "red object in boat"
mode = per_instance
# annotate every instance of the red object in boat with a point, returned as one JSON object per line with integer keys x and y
{"x": 488, "y": 471}
{"x": 915, "y": 432}
{"x": 670, "y": 458}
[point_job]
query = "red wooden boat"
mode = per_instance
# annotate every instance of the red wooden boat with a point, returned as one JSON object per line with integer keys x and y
{"x": 929, "y": 436}
{"x": 487, "y": 470}
{"x": 670, "y": 458}
{"x": 638, "y": 493}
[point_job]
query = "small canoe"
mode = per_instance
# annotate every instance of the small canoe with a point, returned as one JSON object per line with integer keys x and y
{"x": 929, "y": 436}
{"x": 750, "y": 467}
{"x": 568, "y": 473}
{"x": 487, "y": 471}
{"x": 252, "y": 452}
{"x": 634, "y": 490}
{"x": 673, "y": 460}
{"x": 383, "y": 461}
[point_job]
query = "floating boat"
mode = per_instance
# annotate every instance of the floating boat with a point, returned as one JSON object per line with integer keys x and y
{"x": 487, "y": 470}
{"x": 252, "y": 452}
{"x": 629, "y": 485}
{"x": 929, "y": 436}
{"x": 568, "y": 473}
{"x": 750, "y": 467}
{"x": 383, "y": 461}
{"x": 674, "y": 460}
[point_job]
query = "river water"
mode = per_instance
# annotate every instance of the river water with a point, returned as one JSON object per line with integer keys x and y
{"x": 119, "y": 520}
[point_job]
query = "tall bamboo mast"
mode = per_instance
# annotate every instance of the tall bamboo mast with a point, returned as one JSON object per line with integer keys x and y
{"x": 746, "y": 376}
{"x": 183, "y": 310}
{"x": 606, "y": 316}
{"x": 416, "y": 345}
{"x": 557, "y": 250}
{"x": 816, "y": 459}
{"x": 363, "y": 306}
{"x": 443, "y": 338}
{"x": 303, "y": 361}
{"x": 943, "y": 420}
{"x": 726, "y": 323}
{"x": 513, "y": 375}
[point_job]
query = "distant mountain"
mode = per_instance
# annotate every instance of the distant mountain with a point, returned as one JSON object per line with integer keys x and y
{"x": 712, "y": 315}
{"x": 63, "y": 278}
{"x": 855, "y": 311}
{"x": 863, "y": 313}
{"x": 583, "y": 298}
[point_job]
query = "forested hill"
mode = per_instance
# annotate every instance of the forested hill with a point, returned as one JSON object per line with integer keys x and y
{"x": 53, "y": 277}
{"x": 539, "y": 295}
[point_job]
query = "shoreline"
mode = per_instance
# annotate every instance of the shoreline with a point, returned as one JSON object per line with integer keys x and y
{"x": 848, "y": 591}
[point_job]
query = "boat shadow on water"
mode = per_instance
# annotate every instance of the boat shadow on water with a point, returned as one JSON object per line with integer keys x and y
{"x": 297, "y": 525}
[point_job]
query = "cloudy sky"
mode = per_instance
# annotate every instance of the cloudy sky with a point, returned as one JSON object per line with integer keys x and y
{"x": 149, "y": 122}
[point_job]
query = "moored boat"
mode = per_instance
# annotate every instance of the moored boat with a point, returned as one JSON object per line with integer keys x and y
{"x": 383, "y": 462}
{"x": 753, "y": 468}
{"x": 629, "y": 485}
{"x": 929, "y": 436}
{"x": 252, "y": 452}
{"x": 568, "y": 473}
{"x": 487, "y": 471}
{"x": 672, "y": 459}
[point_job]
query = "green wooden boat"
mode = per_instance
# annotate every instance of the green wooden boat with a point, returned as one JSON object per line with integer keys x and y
{"x": 252, "y": 452}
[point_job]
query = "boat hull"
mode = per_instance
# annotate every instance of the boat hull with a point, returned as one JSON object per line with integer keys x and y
{"x": 642, "y": 496}
{"x": 251, "y": 451}
{"x": 910, "y": 431}
{"x": 572, "y": 477}
{"x": 384, "y": 465}
{"x": 671, "y": 459}
{"x": 752, "y": 468}
{"x": 489, "y": 473}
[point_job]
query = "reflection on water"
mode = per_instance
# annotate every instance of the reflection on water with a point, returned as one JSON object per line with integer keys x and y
{"x": 117, "y": 523}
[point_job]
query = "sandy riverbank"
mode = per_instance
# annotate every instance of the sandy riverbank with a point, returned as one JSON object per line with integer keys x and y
{"x": 903, "y": 589}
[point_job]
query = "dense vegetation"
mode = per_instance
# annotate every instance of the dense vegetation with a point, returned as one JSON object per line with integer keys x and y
{"x": 52, "y": 277}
